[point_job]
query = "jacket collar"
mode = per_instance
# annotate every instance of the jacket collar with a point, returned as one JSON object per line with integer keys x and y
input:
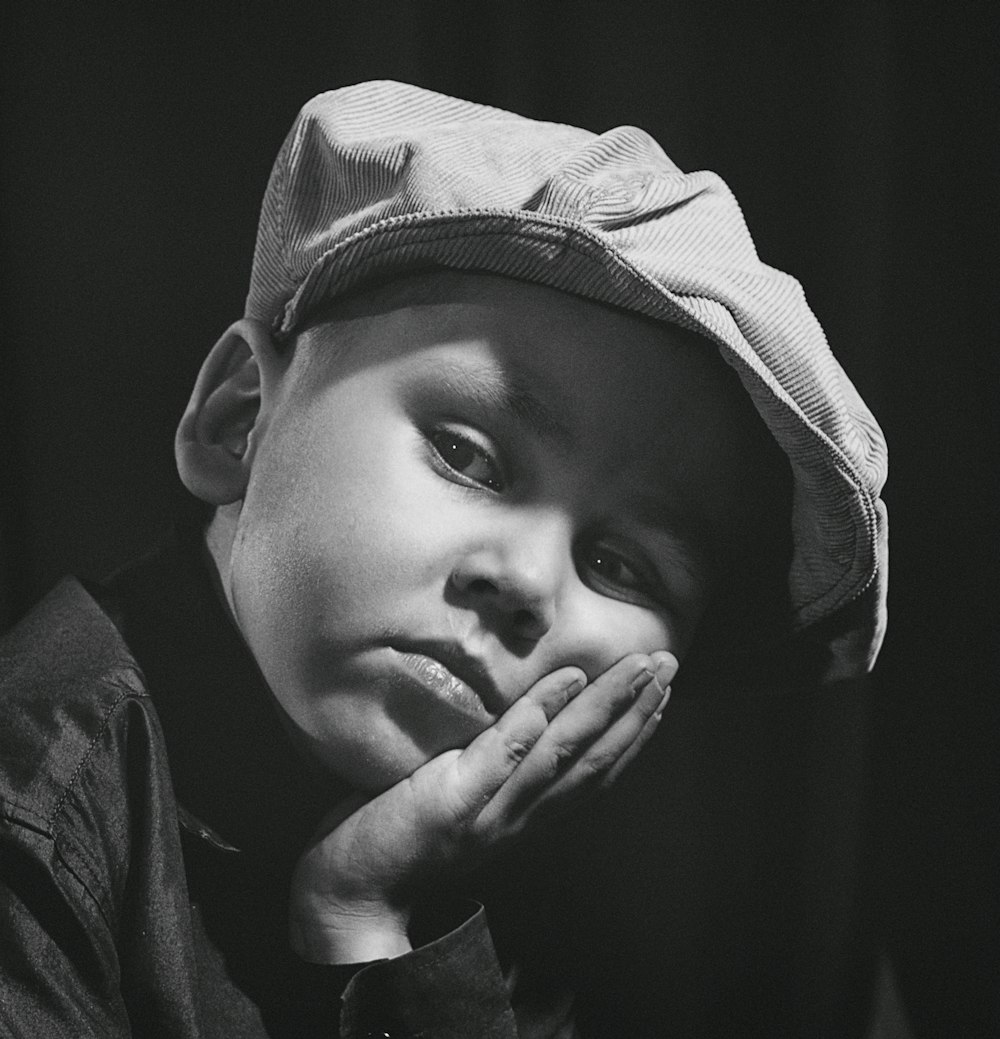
{"x": 239, "y": 781}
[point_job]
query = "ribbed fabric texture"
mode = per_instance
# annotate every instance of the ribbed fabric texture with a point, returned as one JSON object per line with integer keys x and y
{"x": 383, "y": 178}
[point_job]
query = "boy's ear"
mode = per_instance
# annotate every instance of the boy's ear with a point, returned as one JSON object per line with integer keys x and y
{"x": 214, "y": 442}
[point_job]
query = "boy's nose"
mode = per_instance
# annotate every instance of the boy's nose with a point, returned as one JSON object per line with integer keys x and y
{"x": 513, "y": 585}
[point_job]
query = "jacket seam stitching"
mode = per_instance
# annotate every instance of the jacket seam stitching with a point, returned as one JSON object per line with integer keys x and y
{"x": 124, "y": 694}
{"x": 64, "y": 841}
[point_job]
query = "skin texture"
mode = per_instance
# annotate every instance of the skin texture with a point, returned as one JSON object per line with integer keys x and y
{"x": 531, "y": 489}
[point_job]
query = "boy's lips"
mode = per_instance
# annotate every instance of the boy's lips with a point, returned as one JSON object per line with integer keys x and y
{"x": 449, "y": 671}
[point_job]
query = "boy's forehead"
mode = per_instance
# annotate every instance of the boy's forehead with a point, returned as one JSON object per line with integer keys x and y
{"x": 548, "y": 350}
{"x": 549, "y": 326}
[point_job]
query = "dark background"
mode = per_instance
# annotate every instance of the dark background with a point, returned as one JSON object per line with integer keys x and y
{"x": 861, "y": 141}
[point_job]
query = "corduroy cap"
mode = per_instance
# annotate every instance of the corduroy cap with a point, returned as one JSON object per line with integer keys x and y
{"x": 382, "y": 179}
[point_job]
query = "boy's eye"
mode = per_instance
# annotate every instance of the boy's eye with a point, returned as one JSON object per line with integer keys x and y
{"x": 467, "y": 458}
{"x": 611, "y": 568}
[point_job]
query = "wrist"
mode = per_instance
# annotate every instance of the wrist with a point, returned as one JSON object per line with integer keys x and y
{"x": 356, "y": 935}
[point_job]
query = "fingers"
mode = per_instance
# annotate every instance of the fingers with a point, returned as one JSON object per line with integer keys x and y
{"x": 554, "y": 691}
{"x": 590, "y": 741}
{"x": 613, "y": 745}
{"x": 613, "y": 749}
{"x": 645, "y": 733}
{"x": 490, "y": 759}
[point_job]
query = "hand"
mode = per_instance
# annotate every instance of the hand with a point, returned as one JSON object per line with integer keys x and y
{"x": 353, "y": 887}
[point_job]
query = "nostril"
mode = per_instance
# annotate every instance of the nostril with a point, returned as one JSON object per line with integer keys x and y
{"x": 507, "y": 605}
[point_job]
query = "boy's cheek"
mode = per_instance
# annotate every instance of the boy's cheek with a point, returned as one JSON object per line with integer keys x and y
{"x": 599, "y": 632}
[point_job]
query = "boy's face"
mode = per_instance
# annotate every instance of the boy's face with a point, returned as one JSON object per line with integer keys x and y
{"x": 448, "y": 501}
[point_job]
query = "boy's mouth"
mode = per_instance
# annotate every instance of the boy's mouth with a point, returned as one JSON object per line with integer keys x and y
{"x": 447, "y": 670}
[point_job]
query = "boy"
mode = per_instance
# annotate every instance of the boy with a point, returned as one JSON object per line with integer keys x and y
{"x": 477, "y": 476}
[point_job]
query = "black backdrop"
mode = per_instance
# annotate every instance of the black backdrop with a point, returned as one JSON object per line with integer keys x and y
{"x": 860, "y": 139}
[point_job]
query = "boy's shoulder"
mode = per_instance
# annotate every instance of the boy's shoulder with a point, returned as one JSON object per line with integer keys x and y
{"x": 67, "y": 683}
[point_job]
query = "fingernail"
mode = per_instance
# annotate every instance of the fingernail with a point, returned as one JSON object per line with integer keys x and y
{"x": 575, "y": 685}
{"x": 658, "y": 713}
{"x": 641, "y": 680}
{"x": 666, "y": 670}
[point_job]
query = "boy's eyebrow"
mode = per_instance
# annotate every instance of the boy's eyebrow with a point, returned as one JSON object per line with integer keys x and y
{"x": 506, "y": 388}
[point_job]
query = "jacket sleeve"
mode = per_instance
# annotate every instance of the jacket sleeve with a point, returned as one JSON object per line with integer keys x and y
{"x": 450, "y": 988}
{"x": 58, "y": 972}
{"x": 87, "y": 836}
{"x": 93, "y": 935}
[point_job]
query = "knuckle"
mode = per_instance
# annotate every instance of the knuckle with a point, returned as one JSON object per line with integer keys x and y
{"x": 561, "y": 752}
{"x": 597, "y": 764}
{"x": 517, "y": 748}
